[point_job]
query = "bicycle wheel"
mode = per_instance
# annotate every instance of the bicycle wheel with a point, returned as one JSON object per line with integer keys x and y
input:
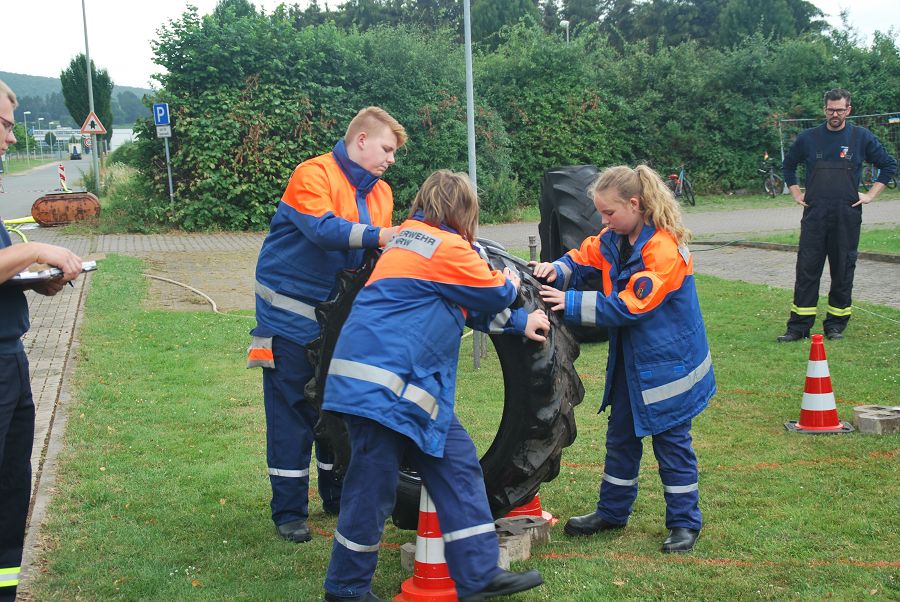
{"x": 687, "y": 193}
{"x": 770, "y": 185}
{"x": 867, "y": 177}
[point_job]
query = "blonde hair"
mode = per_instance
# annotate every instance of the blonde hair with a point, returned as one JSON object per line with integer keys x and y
{"x": 658, "y": 204}
{"x": 7, "y": 91}
{"x": 371, "y": 120}
{"x": 448, "y": 197}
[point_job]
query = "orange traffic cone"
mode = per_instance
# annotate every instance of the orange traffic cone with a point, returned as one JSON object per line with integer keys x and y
{"x": 431, "y": 580}
{"x": 818, "y": 412}
{"x": 533, "y": 508}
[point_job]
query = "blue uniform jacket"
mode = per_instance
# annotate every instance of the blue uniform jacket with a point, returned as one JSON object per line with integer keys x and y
{"x": 331, "y": 211}
{"x": 650, "y": 306}
{"x": 13, "y": 310}
{"x": 395, "y": 360}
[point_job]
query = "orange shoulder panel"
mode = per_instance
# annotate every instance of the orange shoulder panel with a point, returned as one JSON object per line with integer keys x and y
{"x": 664, "y": 271}
{"x": 318, "y": 186}
{"x": 453, "y": 261}
{"x": 589, "y": 252}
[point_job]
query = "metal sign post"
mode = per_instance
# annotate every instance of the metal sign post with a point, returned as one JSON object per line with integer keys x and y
{"x": 164, "y": 131}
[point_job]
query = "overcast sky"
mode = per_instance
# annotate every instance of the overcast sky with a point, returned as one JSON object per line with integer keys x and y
{"x": 42, "y": 36}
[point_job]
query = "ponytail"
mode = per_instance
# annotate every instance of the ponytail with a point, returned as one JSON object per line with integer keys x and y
{"x": 660, "y": 206}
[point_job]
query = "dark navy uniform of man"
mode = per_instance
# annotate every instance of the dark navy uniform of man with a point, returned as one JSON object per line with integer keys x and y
{"x": 833, "y": 154}
{"x": 335, "y": 206}
{"x": 16, "y": 403}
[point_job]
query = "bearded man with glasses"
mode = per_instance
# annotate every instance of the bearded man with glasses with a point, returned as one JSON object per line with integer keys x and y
{"x": 833, "y": 154}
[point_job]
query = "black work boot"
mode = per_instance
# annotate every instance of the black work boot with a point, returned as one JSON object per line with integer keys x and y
{"x": 680, "y": 540}
{"x": 833, "y": 334}
{"x": 588, "y": 525}
{"x": 506, "y": 583}
{"x": 295, "y": 531}
{"x": 792, "y": 335}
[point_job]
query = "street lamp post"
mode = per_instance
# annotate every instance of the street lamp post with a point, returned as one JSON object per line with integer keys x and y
{"x": 565, "y": 23}
{"x": 40, "y": 143}
{"x": 27, "y": 152}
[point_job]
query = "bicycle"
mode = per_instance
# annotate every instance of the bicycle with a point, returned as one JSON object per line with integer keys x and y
{"x": 681, "y": 187}
{"x": 13, "y": 226}
{"x": 772, "y": 182}
{"x": 870, "y": 174}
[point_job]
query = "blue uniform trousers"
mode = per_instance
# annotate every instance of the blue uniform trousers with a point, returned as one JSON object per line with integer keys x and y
{"x": 456, "y": 485}
{"x": 290, "y": 420}
{"x": 16, "y": 438}
{"x": 673, "y": 451}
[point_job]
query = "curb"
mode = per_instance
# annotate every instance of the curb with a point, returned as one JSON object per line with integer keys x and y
{"x": 44, "y": 486}
{"x": 774, "y": 246}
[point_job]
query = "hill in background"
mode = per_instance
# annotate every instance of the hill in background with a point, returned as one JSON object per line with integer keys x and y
{"x": 43, "y": 97}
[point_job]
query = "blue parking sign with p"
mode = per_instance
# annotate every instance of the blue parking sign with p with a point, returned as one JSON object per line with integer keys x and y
{"x": 161, "y": 113}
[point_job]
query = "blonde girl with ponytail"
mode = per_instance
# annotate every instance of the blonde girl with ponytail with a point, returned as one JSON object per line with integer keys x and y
{"x": 659, "y": 372}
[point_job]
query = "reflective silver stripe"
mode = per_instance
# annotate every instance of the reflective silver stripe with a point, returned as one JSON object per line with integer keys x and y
{"x": 356, "y": 236}
{"x": 839, "y": 311}
{"x": 361, "y": 371}
{"x": 261, "y": 343}
{"x": 388, "y": 380}
{"x": 681, "y": 488}
{"x": 353, "y": 546}
{"x": 469, "y": 532}
{"x": 803, "y": 311}
{"x": 682, "y": 385}
{"x": 589, "y": 308}
{"x": 500, "y": 320}
{"x": 622, "y": 482}
{"x": 284, "y": 302}
{"x": 9, "y": 577}
{"x": 283, "y": 472}
{"x": 324, "y": 466}
{"x": 423, "y": 399}
{"x": 566, "y": 274}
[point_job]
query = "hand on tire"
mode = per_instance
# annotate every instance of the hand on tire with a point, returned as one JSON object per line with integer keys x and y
{"x": 553, "y": 297}
{"x": 538, "y": 323}
{"x": 512, "y": 277}
{"x": 543, "y": 271}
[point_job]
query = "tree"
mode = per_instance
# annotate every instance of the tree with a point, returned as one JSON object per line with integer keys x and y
{"x": 130, "y": 106}
{"x": 740, "y": 18}
{"x": 489, "y": 16}
{"x": 75, "y": 92}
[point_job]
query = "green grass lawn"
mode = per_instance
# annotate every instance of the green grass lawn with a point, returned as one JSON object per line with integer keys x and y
{"x": 162, "y": 491}
{"x": 872, "y": 239}
{"x": 18, "y": 165}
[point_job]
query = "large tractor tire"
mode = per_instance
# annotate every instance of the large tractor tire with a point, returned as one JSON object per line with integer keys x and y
{"x": 568, "y": 216}
{"x": 541, "y": 389}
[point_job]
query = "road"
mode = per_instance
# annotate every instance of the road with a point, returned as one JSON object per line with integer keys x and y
{"x": 21, "y": 190}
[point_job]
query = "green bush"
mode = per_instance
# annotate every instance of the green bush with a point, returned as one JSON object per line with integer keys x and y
{"x": 252, "y": 95}
{"x": 126, "y": 154}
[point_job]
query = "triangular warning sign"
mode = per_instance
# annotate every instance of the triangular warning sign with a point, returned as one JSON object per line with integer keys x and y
{"x": 92, "y": 125}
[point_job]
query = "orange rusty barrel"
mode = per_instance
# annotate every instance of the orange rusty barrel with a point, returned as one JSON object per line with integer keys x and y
{"x": 59, "y": 208}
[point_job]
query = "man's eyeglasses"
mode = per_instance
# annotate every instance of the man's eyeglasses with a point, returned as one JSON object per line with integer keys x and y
{"x": 7, "y": 125}
{"x": 836, "y": 111}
